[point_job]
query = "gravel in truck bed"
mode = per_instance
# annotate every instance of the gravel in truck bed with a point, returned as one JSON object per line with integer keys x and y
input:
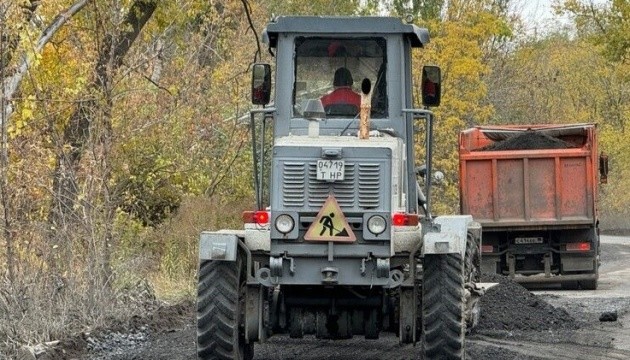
{"x": 528, "y": 140}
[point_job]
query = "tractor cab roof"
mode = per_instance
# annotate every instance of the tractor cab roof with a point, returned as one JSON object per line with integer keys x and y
{"x": 305, "y": 25}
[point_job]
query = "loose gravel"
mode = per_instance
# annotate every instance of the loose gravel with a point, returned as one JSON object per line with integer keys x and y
{"x": 509, "y": 306}
{"x": 528, "y": 140}
{"x": 116, "y": 343}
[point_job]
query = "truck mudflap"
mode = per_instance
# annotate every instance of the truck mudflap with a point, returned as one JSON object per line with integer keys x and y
{"x": 452, "y": 237}
{"x": 218, "y": 246}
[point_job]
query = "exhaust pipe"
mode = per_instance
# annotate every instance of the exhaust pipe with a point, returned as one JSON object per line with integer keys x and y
{"x": 366, "y": 108}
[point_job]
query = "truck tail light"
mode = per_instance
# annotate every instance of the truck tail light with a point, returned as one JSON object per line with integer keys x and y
{"x": 401, "y": 219}
{"x": 487, "y": 249}
{"x": 580, "y": 246}
{"x": 257, "y": 217}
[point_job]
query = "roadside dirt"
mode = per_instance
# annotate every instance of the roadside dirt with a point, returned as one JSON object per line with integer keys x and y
{"x": 515, "y": 324}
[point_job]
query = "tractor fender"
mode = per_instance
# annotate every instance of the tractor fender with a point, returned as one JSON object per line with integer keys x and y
{"x": 218, "y": 246}
{"x": 452, "y": 237}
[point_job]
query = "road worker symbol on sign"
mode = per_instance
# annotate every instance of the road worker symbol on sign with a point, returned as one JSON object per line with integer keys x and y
{"x": 330, "y": 224}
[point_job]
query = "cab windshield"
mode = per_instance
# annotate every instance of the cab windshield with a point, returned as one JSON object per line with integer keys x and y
{"x": 332, "y": 70}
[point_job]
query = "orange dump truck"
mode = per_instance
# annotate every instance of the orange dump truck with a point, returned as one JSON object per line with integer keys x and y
{"x": 534, "y": 190}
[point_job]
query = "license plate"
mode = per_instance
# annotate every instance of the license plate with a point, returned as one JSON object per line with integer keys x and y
{"x": 528, "y": 240}
{"x": 330, "y": 170}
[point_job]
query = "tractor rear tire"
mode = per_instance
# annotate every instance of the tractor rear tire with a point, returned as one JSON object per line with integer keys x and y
{"x": 221, "y": 311}
{"x": 443, "y": 297}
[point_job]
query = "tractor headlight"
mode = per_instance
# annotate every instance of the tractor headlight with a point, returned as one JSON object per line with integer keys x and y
{"x": 284, "y": 223}
{"x": 376, "y": 224}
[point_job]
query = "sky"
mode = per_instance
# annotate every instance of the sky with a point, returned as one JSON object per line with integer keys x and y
{"x": 538, "y": 15}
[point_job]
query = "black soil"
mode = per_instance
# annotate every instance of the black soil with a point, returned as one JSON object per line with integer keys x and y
{"x": 121, "y": 340}
{"x": 169, "y": 333}
{"x": 528, "y": 140}
{"x": 509, "y": 306}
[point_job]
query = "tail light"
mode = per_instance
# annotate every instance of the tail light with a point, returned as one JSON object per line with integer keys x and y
{"x": 580, "y": 246}
{"x": 257, "y": 217}
{"x": 401, "y": 219}
{"x": 487, "y": 249}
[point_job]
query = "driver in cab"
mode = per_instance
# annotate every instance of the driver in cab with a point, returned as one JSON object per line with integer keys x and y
{"x": 343, "y": 93}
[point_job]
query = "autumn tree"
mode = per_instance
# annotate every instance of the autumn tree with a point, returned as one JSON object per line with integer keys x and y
{"x": 605, "y": 27}
{"x": 19, "y": 51}
{"x": 463, "y": 35}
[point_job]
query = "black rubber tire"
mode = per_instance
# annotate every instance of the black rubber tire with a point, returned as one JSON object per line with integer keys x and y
{"x": 443, "y": 307}
{"x": 569, "y": 285}
{"x": 220, "y": 304}
{"x": 588, "y": 284}
{"x": 296, "y": 323}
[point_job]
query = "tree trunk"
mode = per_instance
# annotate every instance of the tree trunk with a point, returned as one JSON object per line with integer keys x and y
{"x": 9, "y": 85}
{"x": 76, "y": 134}
{"x": 90, "y": 127}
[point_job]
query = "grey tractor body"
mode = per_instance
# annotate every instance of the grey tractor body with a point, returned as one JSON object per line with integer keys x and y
{"x": 349, "y": 234}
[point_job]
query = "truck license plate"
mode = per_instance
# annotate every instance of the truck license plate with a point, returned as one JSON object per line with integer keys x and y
{"x": 528, "y": 240}
{"x": 330, "y": 170}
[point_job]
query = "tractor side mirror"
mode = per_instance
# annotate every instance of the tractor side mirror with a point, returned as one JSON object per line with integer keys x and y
{"x": 431, "y": 85}
{"x": 261, "y": 84}
{"x": 603, "y": 168}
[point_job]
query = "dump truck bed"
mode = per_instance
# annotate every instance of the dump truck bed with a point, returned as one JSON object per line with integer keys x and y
{"x": 529, "y": 176}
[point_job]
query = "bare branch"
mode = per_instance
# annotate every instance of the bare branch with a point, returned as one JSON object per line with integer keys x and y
{"x": 248, "y": 10}
{"x": 12, "y": 83}
{"x": 596, "y": 18}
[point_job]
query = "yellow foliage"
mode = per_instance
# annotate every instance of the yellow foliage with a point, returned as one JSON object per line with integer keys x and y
{"x": 457, "y": 46}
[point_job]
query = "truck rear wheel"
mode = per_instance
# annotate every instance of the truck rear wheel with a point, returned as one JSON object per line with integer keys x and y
{"x": 220, "y": 311}
{"x": 443, "y": 306}
{"x": 569, "y": 285}
{"x": 588, "y": 284}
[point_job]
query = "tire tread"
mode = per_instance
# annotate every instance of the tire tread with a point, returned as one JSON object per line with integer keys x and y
{"x": 217, "y": 312}
{"x": 443, "y": 306}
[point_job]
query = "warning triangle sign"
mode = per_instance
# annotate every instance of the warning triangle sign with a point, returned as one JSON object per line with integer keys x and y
{"x": 330, "y": 224}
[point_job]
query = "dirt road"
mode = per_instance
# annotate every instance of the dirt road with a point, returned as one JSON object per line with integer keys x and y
{"x": 593, "y": 340}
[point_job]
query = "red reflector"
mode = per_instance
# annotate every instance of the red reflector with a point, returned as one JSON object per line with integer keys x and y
{"x": 400, "y": 219}
{"x": 261, "y": 217}
{"x": 258, "y": 217}
{"x": 487, "y": 248}
{"x": 581, "y": 246}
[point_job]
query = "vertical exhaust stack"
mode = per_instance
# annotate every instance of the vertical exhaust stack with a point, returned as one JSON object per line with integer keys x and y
{"x": 366, "y": 108}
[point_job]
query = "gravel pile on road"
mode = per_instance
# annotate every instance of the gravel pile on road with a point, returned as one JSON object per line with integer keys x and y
{"x": 509, "y": 306}
{"x": 126, "y": 338}
{"x": 116, "y": 343}
{"x": 139, "y": 330}
{"x": 528, "y": 140}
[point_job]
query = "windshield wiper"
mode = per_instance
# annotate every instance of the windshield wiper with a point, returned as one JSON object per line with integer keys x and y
{"x": 350, "y": 123}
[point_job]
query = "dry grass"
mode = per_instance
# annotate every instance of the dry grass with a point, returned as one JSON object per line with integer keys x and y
{"x": 179, "y": 238}
{"x": 39, "y": 308}
{"x": 45, "y": 304}
{"x": 619, "y": 221}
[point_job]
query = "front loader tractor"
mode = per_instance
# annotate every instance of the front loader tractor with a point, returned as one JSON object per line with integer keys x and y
{"x": 342, "y": 242}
